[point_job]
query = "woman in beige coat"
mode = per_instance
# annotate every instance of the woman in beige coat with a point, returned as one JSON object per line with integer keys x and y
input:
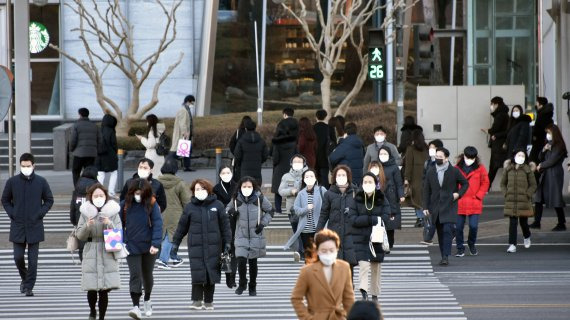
{"x": 326, "y": 283}
{"x": 99, "y": 268}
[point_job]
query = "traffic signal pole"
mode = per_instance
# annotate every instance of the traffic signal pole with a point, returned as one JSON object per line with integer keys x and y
{"x": 400, "y": 77}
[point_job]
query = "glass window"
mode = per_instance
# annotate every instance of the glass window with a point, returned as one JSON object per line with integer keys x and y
{"x": 504, "y": 6}
{"x": 45, "y": 88}
{"x": 482, "y": 56}
{"x": 514, "y": 55}
{"x": 482, "y": 14}
{"x": 482, "y": 76}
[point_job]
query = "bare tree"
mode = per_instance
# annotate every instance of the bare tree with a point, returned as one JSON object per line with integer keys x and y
{"x": 344, "y": 22}
{"x": 113, "y": 46}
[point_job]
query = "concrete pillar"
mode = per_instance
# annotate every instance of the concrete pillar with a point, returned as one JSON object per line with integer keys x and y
{"x": 22, "y": 77}
{"x": 207, "y": 53}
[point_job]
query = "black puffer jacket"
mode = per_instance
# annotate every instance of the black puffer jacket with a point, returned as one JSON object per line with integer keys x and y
{"x": 518, "y": 136}
{"x": 107, "y": 159}
{"x": 364, "y": 220}
{"x": 337, "y": 216}
{"x": 544, "y": 117}
{"x": 499, "y": 130}
{"x": 88, "y": 178}
{"x": 85, "y": 139}
{"x": 283, "y": 149}
{"x": 157, "y": 190}
{"x": 208, "y": 228}
{"x": 250, "y": 153}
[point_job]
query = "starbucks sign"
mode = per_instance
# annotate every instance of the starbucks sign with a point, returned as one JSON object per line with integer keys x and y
{"x": 39, "y": 37}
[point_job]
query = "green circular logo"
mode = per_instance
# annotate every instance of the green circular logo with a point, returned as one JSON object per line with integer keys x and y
{"x": 39, "y": 37}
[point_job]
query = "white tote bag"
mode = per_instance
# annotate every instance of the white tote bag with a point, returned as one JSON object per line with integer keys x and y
{"x": 184, "y": 148}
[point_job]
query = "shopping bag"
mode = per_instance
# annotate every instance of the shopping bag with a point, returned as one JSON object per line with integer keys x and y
{"x": 378, "y": 231}
{"x": 72, "y": 241}
{"x": 113, "y": 240}
{"x": 184, "y": 148}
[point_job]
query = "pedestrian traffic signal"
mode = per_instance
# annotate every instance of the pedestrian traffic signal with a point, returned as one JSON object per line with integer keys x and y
{"x": 423, "y": 50}
{"x": 376, "y": 63}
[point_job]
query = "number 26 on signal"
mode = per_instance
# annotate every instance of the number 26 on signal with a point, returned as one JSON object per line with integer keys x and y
{"x": 376, "y": 72}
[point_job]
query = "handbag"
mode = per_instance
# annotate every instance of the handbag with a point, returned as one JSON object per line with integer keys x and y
{"x": 121, "y": 254}
{"x": 379, "y": 235}
{"x": 427, "y": 227}
{"x": 113, "y": 240}
{"x": 72, "y": 241}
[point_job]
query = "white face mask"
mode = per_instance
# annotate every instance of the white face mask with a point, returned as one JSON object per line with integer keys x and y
{"x": 341, "y": 181}
{"x": 246, "y": 191}
{"x": 143, "y": 174}
{"x": 310, "y": 181}
{"x": 384, "y": 158}
{"x": 375, "y": 170}
{"x": 516, "y": 114}
{"x": 227, "y": 177}
{"x": 380, "y": 138}
{"x": 137, "y": 197}
{"x": 297, "y": 166}
{"x": 548, "y": 137}
{"x": 328, "y": 258}
{"x": 432, "y": 152}
{"x": 468, "y": 161}
{"x": 368, "y": 188}
{"x": 99, "y": 202}
{"x": 519, "y": 160}
{"x": 27, "y": 171}
{"x": 201, "y": 194}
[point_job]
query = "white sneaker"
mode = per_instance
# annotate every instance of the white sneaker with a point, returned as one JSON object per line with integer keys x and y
{"x": 512, "y": 249}
{"x": 527, "y": 242}
{"x": 148, "y": 308}
{"x": 135, "y": 313}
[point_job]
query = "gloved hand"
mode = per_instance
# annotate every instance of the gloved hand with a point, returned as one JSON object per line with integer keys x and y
{"x": 259, "y": 228}
{"x": 227, "y": 248}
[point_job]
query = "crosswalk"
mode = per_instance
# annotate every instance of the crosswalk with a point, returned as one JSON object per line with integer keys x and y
{"x": 410, "y": 290}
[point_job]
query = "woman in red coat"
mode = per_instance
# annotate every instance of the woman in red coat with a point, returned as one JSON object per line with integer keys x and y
{"x": 307, "y": 143}
{"x": 471, "y": 204}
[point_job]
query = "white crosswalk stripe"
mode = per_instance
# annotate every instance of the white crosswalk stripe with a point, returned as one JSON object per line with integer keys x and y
{"x": 410, "y": 290}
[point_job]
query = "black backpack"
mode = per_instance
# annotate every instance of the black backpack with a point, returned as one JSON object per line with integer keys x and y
{"x": 163, "y": 145}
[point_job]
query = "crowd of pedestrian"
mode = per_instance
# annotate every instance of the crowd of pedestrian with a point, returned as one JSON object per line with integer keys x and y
{"x": 337, "y": 193}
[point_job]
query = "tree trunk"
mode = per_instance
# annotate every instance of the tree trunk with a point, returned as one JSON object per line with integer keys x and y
{"x": 326, "y": 94}
{"x": 360, "y": 80}
{"x": 123, "y": 127}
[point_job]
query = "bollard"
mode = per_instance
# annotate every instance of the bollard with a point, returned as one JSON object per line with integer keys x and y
{"x": 120, "y": 170}
{"x": 218, "y": 163}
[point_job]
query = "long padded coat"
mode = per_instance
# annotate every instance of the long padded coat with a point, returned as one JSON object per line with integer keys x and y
{"x": 364, "y": 220}
{"x": 551, "y": 181}
{"x": 414, "y": 164}
{"x": 518, "y": 186}
{"x": 249, "y": 244}
{"x": 208, "y": 228}
{"x": 99, "y": 268}
{"x": 336, "y": 215}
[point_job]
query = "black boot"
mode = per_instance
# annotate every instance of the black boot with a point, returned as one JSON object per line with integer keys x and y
{"x": 252, "y": 291}
{"x": 364, "y": 294}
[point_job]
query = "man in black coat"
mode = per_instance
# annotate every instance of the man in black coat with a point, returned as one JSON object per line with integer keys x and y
{"x": 27, "y": 198}
{"x": 85, "y": 142}
{"x": 498, "y": 136}
{"x": 251, "y": 152}
{"x": 145, "y": 172}
{"x": 283, "y": 147}
{"x": 323, "y": 133}
{"x": 440, "y": 197}
{"x": 544, "y": 115}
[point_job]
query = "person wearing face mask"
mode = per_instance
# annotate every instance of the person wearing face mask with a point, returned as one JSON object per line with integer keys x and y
{"x": 307, "y": 207}
{"x": 518, "y": 186}
{"x": 379, "y": 142}
{"x": 470, "y": 205}
{"x": 177, "y": 196}
{"x": 369, "y": 206}
{"x": 378, "y": 170}
{"x": 414, "y": 160}
{"x": 100, "y": 269}
{"x": 224, "y": 190}
{"x": 324, "y": 283}
{"x": 394, "y": 192}
{"x": 336, "y": 214}
{"x": 289, "y": 188}
{"x": 518, "y": 135}
{"x": 151, "y": 140}
{"x": 551, "y": 182}
{"x": 544, "y": 117}
{"x": 79, "y": 196}
{"x": 497, "y": 136}
{"x": 430, "y": 163}
{"x": 142, "y": 235}
{"x": 208, "y": 228}
{"x": 27, "y": 198}
{"x": 350, "y": 152}
{"x": 144, "y": 171}
{"x": 440, "y": 195}
{"x": 253, "y": 213}
{"x": 183, "y": 129}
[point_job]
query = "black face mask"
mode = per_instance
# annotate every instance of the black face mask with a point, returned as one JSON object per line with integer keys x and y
{"x": 439, "y": 162}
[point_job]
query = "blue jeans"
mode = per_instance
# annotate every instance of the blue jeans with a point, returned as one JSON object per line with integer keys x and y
{"x": 165, "y": 249}
{"x": 420, "y": 213}
{"x": 473, "y": 227}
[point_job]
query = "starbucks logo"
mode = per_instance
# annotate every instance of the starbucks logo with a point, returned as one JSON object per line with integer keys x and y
{"x": 39, "y": 37}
